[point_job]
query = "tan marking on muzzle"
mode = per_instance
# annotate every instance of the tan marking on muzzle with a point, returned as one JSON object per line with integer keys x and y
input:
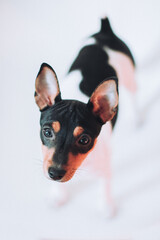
{"x": 47, "y": 158}
{"x": 74, "y": 162}
{"x": 78, "y": 131}
{"x": 56, "y": 126}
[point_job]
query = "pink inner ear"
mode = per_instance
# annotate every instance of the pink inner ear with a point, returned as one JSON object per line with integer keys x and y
{"x": 105, "y": 100}
{"x": 46, "y": 87}
{"x": 103, "y": 103}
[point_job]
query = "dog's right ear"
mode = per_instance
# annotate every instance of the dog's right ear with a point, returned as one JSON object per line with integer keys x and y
{"x": 46, "y": 87}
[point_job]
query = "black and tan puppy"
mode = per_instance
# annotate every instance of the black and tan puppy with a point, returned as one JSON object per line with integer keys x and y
{"x": 71, "y": 130}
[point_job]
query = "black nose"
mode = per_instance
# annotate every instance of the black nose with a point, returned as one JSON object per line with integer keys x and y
{"x": 56, "y": 174}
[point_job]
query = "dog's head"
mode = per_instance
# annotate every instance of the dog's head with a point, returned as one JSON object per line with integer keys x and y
{"x": 69, "y": 128}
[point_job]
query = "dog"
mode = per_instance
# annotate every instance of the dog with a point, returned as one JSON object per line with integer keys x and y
{"x": 79, "y": 130}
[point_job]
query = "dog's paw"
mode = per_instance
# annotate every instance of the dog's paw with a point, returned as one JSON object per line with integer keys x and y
{"x": 105, "y": 203}
{"x": 107, "y": 210}
{"x": 58, "y": 196}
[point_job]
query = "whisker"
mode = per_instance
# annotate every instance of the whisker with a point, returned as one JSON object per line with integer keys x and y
{"x": 38, "y": 159}
{"x": 78, "y": 173}
{"x": 38, "y": 162}
{"x": 80, "y": 169}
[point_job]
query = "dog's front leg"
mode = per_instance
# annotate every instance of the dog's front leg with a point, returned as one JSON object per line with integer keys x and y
{"x": 106, "y": 203}
{"x": 58, "y": 195}
{"x": 100, "y": 160}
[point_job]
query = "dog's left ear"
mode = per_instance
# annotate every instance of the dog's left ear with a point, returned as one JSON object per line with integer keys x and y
{"x": 104, "y": 100}
{"x": 46, "y": 87}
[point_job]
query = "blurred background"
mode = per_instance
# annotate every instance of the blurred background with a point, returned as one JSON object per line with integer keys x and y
{"x": 53, "y": 31}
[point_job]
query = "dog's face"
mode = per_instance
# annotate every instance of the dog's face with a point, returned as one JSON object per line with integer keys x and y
{"x": 69, "y": 128}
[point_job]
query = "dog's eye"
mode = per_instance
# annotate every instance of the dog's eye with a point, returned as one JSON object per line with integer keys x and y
{"x": 48, "y": 133}
{"x": 84, "y": 140}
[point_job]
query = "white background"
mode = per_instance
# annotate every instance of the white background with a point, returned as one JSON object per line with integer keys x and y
{"x": 36, "y": 31}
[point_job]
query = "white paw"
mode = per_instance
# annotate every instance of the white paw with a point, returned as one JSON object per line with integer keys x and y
{"x": 107, "y": 210}
{"x": 58, "y": 196}
{"x": 105, "y": 203}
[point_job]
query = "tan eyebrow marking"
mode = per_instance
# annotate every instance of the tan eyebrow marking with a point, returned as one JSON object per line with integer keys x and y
{"x": 77, "y": 131}
{"x": 56, "y": 126}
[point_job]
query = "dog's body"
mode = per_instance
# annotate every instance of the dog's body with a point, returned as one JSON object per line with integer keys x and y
{"x": 71, "y": 129}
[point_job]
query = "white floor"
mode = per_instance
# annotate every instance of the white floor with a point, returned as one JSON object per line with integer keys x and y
{"x": 52, "y": 31}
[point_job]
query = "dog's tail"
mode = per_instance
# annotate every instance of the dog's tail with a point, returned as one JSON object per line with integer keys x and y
{"x": 105, "y": 26}
{"x": 105, "y": 29}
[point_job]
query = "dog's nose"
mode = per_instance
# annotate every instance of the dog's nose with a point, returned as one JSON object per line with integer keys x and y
{"x": 56, "y": 174}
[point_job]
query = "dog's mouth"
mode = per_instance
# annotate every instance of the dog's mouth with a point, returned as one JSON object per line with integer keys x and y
{"x": 68, "y": 176}
{"x": 61, "y": 176}
{"x": 58, "y": 174}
